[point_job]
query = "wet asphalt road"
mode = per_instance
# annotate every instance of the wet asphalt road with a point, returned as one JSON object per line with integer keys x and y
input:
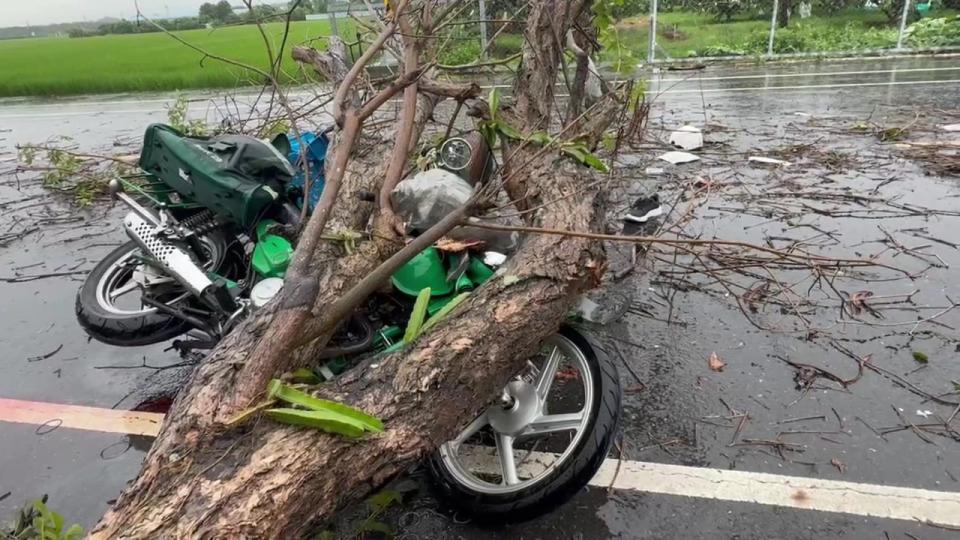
{"x": 756, "y": 111}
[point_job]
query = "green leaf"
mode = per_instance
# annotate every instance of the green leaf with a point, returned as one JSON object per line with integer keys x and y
{"x": 593, "y": 161}
{"x": 415, "y": 326}
{"x": 444, "y": 311}
{"x": 278, "y": 390}
{"x": 305, "y": 376}
{"x": 494, "y": 104}
{"x": 73, "y": 532}
{"x": 509, "y": 130}
{"x": 580, "y": 153}
{"x": 328, "y": 421}
{"x": 920, "y": 357}
{"x": 540, "y": 137}
{"x": 383, "y": 500}
{"x": 489, "y": 131}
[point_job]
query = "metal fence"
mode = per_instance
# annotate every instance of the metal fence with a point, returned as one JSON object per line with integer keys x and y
{"x": 675, "y": 30}
{"x": 786, "y": 28}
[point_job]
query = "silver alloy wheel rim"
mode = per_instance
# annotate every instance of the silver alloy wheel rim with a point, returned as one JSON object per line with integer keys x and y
{"x": 112, "y": 286}
{"x": 518, "y": 422}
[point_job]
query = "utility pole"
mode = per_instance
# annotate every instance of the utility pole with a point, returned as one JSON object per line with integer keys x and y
{"x": 483, "y": 27}
{"x": 652, "y": 45}
{"x": 903, "y": 23}
{"x": 773, "y": 27}
{"x": 332, "y": 15}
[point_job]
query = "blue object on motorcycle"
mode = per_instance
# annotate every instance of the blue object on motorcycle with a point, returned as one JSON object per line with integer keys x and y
{"x": 316, "y": 154}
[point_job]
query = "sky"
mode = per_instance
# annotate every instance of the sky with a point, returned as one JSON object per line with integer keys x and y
{"x": 38, "y": 12}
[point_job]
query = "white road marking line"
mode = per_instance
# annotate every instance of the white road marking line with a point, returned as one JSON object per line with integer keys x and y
{"x": 695, "y": 78}
{"x": 888, "y": 502}
{"x": 800, "y": 87}
{"x": 692, "y": 78}
{"x": 660, "y": 93}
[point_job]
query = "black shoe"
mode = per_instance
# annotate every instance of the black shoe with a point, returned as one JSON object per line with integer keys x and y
{"x": 644, "y": 209}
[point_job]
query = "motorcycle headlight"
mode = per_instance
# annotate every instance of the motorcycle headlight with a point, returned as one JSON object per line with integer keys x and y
{"x": 455, "y": 154}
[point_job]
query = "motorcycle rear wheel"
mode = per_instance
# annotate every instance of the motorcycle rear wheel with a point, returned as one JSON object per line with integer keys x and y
{"x": 553, "y": 451}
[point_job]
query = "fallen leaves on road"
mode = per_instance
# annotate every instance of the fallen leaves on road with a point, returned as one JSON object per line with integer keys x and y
{"x": 841, "y": 466}
{"x": 858, "y": 304}
{"x": 715, "y": 363}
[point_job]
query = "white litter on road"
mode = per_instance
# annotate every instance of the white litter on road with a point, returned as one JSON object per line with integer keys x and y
{"x": 687, "y": 138}
{"x": 951, "y": 127}
{"x": 677, "y": 158}
{"x": 768, "y": 161}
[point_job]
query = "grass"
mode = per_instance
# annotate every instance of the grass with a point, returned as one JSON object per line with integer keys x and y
{"x": 145, "y": 62}
{"x": 156, "y": 62}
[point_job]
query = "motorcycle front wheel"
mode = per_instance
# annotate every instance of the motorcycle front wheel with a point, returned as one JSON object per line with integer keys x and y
{"x": 541, "y": 441}
{"x": 109, "y": 306}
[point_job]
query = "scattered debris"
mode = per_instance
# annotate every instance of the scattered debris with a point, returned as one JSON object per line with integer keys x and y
{"x": 715, "y": 363}
{"x": 645, "y": 209}
{"x": 456, "y": 246}
{"x": 841, "y": 466}
{"x": 939, "y": 157}
{"x": 677, "y": 158}
{"x": 768, "y": 161}
{"x": 951, "y": 127}
{"x": 920, "y": 357}
{"x": 755, "y": 296}
{"x": 687, "y": 138}
{"x": 858, "y": 304}
{"x": 653, "y": 171}
{"x": 807, "y": 375}
{"x": 924, "y": 413}
{"x": 45, "y": 356}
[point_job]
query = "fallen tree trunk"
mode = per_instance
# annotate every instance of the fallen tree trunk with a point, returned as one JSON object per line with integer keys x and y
{"x": 207, "y": 477}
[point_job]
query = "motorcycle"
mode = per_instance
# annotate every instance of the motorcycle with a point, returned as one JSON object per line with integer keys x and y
{"x": 210, "y": 224}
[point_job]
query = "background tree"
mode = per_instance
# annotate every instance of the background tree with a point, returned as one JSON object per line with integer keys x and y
{"x": 223, "y": 11}
{"x": 208, "y": 12}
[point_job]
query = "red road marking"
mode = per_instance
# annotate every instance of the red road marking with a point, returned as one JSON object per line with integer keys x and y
{"x": 78, "y": 417}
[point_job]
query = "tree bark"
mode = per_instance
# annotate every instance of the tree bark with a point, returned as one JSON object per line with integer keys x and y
{"x": 206, "y": 477}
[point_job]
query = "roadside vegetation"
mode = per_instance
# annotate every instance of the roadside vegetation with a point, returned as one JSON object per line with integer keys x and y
{"x": 128, "y": 59}
{"x": 146, "y": 62}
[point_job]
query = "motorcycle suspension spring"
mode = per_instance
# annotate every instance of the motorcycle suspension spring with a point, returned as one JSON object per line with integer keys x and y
{"x": 201, "y": 223}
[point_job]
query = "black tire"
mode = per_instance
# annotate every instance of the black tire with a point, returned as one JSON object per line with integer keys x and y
{"x": 117, "y": 329}
{"x": 565, "y": 482}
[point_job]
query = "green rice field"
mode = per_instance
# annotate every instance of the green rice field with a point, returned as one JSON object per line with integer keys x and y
{"x": 146, "y": 62}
